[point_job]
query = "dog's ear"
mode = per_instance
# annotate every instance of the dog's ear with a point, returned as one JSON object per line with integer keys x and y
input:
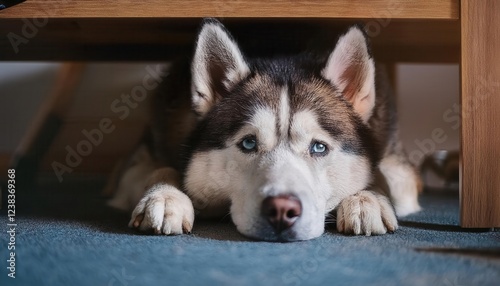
{"x": 351, "y": 69}
{"x": 217, "y": 66}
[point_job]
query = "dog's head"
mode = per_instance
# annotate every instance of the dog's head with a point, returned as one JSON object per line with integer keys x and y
{"x": 284, "y": 140}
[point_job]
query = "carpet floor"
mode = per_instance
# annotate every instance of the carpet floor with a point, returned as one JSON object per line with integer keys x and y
{"x": 66, "y": 235}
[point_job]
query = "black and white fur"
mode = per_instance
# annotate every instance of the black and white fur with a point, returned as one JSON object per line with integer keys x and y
{"x": 287, "y": 105}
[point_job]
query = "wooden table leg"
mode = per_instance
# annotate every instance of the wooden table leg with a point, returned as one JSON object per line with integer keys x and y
{"x": 480, "y": 138}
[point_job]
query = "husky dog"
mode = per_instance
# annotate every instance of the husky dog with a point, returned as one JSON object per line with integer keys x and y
{"x": 278, "y": 143}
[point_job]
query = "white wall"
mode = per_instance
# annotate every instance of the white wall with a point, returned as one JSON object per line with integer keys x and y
{"x": 427, "y": 96}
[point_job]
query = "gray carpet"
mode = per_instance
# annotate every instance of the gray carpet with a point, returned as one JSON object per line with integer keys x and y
{"x": 67, "y": 236}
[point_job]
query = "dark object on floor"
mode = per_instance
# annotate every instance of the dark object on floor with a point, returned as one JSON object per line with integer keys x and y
{"x": 445, "y": 165}
{"x": 67, "y": 236}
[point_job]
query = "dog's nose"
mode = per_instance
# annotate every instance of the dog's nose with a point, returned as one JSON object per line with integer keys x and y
{"x": 281, "y": 211}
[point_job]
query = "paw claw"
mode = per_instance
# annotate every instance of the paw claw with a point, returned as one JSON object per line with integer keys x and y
{"x": 138, "y": 220}
{"x": 366, "y": 213}
{"x": 164, "y": 210}
{"x": 186, "y": 227}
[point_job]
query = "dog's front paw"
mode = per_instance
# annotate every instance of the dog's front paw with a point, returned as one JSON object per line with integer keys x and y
{"x": 366, "y": 213}
{"x": 165, "y": 210}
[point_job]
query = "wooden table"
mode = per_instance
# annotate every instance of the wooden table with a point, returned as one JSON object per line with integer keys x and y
{"x": 467, "y": 32}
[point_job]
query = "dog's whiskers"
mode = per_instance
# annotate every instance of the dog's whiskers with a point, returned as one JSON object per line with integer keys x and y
{"x": 330, "y": 218}
{"x": 224, "y": 217}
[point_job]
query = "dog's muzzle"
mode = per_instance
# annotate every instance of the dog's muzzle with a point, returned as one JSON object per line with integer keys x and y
{"x": 281, "y": 211}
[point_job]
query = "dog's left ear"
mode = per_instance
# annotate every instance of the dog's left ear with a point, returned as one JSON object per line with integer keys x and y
{"x": 351, "y": 69}
{"x": 217, "y": 66}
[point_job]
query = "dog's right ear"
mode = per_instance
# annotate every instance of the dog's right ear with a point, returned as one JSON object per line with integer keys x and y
{"x": 217, "y": 66}
{"x": 350, "y": 67}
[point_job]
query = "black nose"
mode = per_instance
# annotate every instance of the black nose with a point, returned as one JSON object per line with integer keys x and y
{"x": 281, "y": 211}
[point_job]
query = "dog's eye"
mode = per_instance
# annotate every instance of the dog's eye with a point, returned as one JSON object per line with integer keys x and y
{"x": 318, "y": 149}
{"x": 248, "y": 144}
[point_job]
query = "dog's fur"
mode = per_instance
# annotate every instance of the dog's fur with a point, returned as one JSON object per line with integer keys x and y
{"x": 286, "y": 105}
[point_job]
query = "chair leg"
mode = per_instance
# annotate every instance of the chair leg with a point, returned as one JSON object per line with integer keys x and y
{"x": 45, "y": 127}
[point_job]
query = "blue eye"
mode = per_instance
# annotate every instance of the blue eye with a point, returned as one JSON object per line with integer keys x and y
{"x": 248, "y": 144}
{"x": 318, "y": 149}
